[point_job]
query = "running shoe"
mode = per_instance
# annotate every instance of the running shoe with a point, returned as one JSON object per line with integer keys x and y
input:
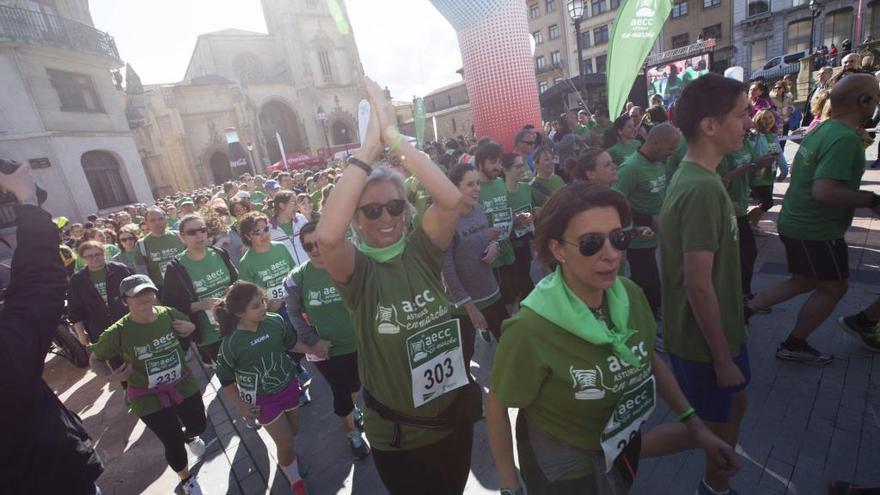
{"x": 196, "y": 447}
{"x": 358, "y": 444}
{"x": 869, "y": 336}
{"x": 486, "y": 335}
{"x": 189, "y": 486}
{"x": 298, "y": 487}
{"x": 704, "y": 489}
{"x": 802, "y": 352}
{"x": 358, "y": 418}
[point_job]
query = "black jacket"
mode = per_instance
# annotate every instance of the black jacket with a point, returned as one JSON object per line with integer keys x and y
{"x": 45, "y": 448}
{"x": 178, "y": 292}
{"x": 85, "y": 304}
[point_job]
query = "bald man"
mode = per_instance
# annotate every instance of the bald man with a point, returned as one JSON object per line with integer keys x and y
{"x": 642, "y": 179}
{"x": 816, "y": 213}
{"x": 851, "y": 62}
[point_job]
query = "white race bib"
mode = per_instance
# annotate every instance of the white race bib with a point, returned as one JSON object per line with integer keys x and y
{"x": 277, "y": 292}
{"x": 530, "y": 227}
{"x": 163, "y": 369}
{"x": 503, "y": 221}
{"x": 436, "y": 361}
{"x": 247, "y": 387}
{"x": 631, "y": 412}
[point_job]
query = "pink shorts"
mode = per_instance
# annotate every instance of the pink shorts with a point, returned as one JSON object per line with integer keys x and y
{"x": 272, "y": 405}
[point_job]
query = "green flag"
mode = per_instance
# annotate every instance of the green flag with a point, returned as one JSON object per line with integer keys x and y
{"x": 636, "y": 27}
{"x": 419, "y": 120}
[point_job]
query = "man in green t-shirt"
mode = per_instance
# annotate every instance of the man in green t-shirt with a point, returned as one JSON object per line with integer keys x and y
{"x": 816, "y": 213}
{"x": 493, "y": 198}
{"x": 642, "y": 179}
{"x": 159, "y": 247}
{"x": 703, "y": 324}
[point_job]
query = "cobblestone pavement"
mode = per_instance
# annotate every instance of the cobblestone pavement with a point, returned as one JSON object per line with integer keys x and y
{"x": 804, "y": 424}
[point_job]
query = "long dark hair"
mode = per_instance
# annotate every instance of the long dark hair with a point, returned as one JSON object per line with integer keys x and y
{"x": 235, "y": 302}
{"x": 612, "y": 135}
{"x": 577, "y": 168}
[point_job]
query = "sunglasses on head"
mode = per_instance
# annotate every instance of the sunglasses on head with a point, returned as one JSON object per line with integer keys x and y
{"x": 374, "y": 210}
{"x": 260, "y": 230}
{"x": 592, "y": 243}
{"x": 191, "y": 232}
{"x": 310, "y": 246}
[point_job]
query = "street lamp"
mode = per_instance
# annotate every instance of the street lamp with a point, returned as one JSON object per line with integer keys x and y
{"x": 576, "y": 11}
{"x": 250, "y": 148}
{"x": 815, "y": 11}
{"x": 322, "y": 119}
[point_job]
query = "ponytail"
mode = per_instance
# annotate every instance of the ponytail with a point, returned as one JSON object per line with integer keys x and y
{"x": 234, "y": 303}
{"x": 225, "y": 319}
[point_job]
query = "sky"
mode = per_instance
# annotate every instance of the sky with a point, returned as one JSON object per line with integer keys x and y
{"x": 404, "y": 44}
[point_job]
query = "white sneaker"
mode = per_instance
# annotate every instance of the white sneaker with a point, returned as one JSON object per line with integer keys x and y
{"x": 196, "y": 447}
{"x": 189, "y": 486}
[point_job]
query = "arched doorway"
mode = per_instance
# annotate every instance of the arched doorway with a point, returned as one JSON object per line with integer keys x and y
{"x": 220, "y": 168}
{"x": 275, "y": 116}
{"x": 104, "y": 176}
{"x": 341, "y": 133}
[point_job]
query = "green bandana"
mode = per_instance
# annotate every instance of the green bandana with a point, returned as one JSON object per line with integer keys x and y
{"x": 385, "y": 254}
{"x": 554, "y": 301}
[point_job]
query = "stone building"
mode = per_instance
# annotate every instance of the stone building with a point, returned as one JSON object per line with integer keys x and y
{"x": 692, "y": 20}
{"x": 447, "y": 113}
{"x": 62, "y": 113}
{"x": 266, "y": 87}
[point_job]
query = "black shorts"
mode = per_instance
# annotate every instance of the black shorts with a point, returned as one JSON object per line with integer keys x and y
{"x": 822, "y": 260}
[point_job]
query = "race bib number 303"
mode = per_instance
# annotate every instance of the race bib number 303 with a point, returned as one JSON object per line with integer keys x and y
{"x": 164, "y": 369}
{"x": 436, "y": 361}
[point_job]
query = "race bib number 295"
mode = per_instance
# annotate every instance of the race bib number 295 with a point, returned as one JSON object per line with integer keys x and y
{"x": 436, "y": 361}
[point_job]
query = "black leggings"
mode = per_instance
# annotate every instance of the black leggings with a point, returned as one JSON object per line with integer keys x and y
{"x": 438, "y": 469}
{"x": 166, "y": 423}
{"x": 748, "y": 253}
{"x": 643, "y": 271}
{"x": 494, "y": 314}
{"x": 341, "y": 372}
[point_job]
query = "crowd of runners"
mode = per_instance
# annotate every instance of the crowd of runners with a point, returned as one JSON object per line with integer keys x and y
{"x": 382, "y": 271}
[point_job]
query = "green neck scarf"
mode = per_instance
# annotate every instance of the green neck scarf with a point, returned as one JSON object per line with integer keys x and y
{"x": 554, "y": 301}
{"x": 385, "y": 254}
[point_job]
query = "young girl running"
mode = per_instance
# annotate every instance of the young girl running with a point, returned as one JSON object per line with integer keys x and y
{"x": 253, "y": 359}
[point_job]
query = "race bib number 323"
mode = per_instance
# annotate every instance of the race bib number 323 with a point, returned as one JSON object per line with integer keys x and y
{"x": 436, "y": 361}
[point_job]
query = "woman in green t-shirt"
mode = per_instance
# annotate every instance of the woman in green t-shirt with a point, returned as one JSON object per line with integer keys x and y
{"x": 578, "y": 361}
{"x": 620, "y": 139}
{"x": 418, "y": 392}
{"x": 257, "y": 373}
{"x": 161, "y": 390}
{"x": 593, "y": 166}
{"x": 514, "y": 279}
{"x": 265, "y": 262}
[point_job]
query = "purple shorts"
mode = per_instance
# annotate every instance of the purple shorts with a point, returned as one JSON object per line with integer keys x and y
{"x": 272, "y": 405}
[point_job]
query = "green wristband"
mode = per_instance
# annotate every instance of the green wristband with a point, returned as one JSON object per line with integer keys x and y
{"x": 396, "y": 143}
{"x": 686, "y": 415}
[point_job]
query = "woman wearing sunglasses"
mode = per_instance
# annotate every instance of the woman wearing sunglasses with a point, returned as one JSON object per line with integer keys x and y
{"x": 420, "y": 407}
{"x": 196, "y": 280}
{"x": 128, "y": 255}
{"x": 266, "y": 262}
{"x": 285, "y": 224}
{"x": 316, "y": 311}
{"x": 578, "y": 361}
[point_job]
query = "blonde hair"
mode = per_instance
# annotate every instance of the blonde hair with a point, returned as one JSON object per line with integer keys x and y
{"x": 821, "y": 105}
{"x": 758, "y": 120}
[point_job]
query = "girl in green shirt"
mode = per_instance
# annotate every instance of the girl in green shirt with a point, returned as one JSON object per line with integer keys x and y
{"x": 593, "y": 166}
{"x": 514, "y": 279}
{"x": 420, "y": 397}
{"x": 578, "y": 361}
{"x": 620, "y": 139}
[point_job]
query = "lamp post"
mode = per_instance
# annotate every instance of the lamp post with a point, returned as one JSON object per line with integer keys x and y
{"x": 250, "y": 148}
{"x": 322, "y": 119}
{"x": 815, "y": 11}
{"x": 576, "y": 11}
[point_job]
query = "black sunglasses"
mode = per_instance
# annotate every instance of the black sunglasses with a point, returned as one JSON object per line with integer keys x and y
{"x": 310, "y": 246}
{"x": 590, "y": 244}
{"x": 190, "y": 232}
{"x": 260, "y": 230}
{"x": 127, "y": 239}
{"x": 374, "y": 210}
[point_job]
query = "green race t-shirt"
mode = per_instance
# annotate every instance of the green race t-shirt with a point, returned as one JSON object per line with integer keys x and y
{"x": 620, "y": 151}
{"x": 155, "y": 355}
{"x": 323, "y": 305}
{"x": 764, "y": 144}
{"x": 257, "y": 197}
{"x": 389, "y": 303}
{"x": 738, "y": 188}
{"x": 643, "y": 182}
{"x": 160, "y": 251}
{"x": 257, "y": 360}
{"x": 99, "y": 280}
{"x": 565, "y": 385}
{"x": 210, "y": 279}
{"x": 493, "y": 198}
{"x": 697, "y": 215}
{"x": 831, "y": 151}
{"x": 520, "y": 201}
{"x": 110, "y": 250}
{"x": 550, "y": 184}
{"x": 267, "y": 269}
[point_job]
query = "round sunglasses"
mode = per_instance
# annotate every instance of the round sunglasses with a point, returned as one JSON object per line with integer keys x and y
{"x": 590, "y": 244}
{"x": 374, "y": 210}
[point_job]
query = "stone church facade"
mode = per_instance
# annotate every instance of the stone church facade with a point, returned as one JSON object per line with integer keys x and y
{"x": 265, "y": 88}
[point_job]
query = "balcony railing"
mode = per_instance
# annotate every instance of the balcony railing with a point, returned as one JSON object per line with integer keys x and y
{"x": 27, "y": 26}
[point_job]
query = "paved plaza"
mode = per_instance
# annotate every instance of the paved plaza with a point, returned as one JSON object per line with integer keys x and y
{"x": 804, "y": 424}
